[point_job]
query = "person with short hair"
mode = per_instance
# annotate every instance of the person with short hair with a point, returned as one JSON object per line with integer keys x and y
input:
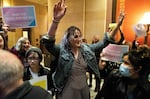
{"x": 12, "y": 85}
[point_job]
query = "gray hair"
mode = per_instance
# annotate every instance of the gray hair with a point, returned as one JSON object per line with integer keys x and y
{"x": 11, "y": 69}
{"x": 19, "y": 43}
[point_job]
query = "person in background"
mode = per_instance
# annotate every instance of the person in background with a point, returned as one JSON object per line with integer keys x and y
{"x": 135, "y": 43}
{"x": 12, "y": 85}
{"x": 3, "y": 35}
{"x": 22, "y": 45}
{"x": 113, "y": 28}
{"x": 105, "y": 67}
{"x": 74, "y": 57}
{"x": 130, "y": 81}
{"x": 3, "y": 42}
{"x": 97, "y": 83}
{"x": 84, "y": 40}
{"x": 34, "y": 69}
{"x": 95, "y": 39}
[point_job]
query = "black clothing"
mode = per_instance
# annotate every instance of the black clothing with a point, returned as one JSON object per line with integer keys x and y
{"x": 117, "y": 87}
{"x": 20, "y": 54}
{"x": 43, "y": 71}
{"x": 109, "y": 67}
{"x": 26, "y": 91}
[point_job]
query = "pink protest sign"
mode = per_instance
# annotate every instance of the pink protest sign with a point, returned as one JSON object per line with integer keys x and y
{"x": 114, "y": 52}
{"x": 19, "y": 16}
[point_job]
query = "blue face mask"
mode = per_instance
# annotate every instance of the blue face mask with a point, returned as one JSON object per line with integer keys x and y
{"x": 124, "y": 71}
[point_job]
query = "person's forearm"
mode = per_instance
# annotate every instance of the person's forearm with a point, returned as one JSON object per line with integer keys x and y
{"x": 114, "y": 31}
{"x": 53, "y": 28}
{"x": 58, "y": 13}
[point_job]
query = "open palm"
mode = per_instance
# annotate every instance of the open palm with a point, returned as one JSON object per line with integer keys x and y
{"x": 59, "y": 10}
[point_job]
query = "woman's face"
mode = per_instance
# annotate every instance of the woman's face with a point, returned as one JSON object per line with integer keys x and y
{"x": 127, "y": 64}
{"x": 26, "y": 45}
{"x": 1, "y": 42}
{"x": 75, "y": 39}
{"x": 33, "y": 60}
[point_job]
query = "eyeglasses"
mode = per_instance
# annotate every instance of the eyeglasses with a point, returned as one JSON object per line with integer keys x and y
{"x": 33, "y": 58}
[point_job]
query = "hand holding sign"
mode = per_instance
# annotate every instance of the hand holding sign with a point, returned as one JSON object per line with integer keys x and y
{"x": 19, "y": 16}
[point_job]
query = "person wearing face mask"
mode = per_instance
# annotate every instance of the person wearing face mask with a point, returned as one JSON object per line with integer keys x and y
{"x": 74, "y": 57}
{"x": 131, "y": 80}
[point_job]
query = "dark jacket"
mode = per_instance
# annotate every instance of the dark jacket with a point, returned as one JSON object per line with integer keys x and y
{"x": 66, "y": 58}
{"x": 43, "y": 71}
{"x": 26, "y": 91}
{"x": 115, "y": 87}
{"x": 20, "y": 54}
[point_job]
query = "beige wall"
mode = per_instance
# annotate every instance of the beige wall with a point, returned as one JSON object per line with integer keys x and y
{"x": 41, "y": 28}
{"x": 95, "y": 18}
{"x": 41, "y": 16}
{"x": 74, "y": 16}
{"x": 88, "y": 15}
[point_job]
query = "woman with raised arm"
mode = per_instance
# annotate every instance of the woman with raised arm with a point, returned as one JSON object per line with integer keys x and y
{"x": 74, "y": 57}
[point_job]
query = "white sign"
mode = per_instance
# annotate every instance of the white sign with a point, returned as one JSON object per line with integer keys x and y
{"x": 114, "y": 52}
{"x": 40, "y": 81}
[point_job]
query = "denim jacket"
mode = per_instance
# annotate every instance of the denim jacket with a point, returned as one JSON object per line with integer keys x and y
{"x": 66, "y": 58}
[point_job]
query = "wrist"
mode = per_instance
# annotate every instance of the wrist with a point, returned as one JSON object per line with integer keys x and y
{"x": 55, "y": 20}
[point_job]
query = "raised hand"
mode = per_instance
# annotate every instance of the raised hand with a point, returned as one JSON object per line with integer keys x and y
{"x": 114, "y": 31}
{"x": 6, "y": 27}
{"x": 59, "y": 10}
{"x": 121, "y": 17}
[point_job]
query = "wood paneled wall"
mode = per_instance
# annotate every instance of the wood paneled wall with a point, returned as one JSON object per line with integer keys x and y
{"x": 91, "y": 17}
{"x": 41, "y": 28}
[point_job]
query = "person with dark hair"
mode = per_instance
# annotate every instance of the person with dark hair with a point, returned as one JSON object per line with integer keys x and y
{"x": 97, "y": 80}
{"x": 3, "y": 36}
{"x": 130, "y": 81}
{"x": 74, "y": 57}
{"x": 34, "y": 69}
{"x": 12, "y": 85}
{"x": 4, "y": 28}
{"x": 135, "y": 43}
{"x": 3, "y": 42}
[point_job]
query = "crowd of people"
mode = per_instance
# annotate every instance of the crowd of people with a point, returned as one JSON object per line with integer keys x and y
{"x": 74, "y": 57}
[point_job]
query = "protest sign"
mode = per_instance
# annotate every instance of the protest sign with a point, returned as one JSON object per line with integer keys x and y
{"x": 114, "y": 52}
{"x": 39, "y": 81}
{"x": 19, "y": 16}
